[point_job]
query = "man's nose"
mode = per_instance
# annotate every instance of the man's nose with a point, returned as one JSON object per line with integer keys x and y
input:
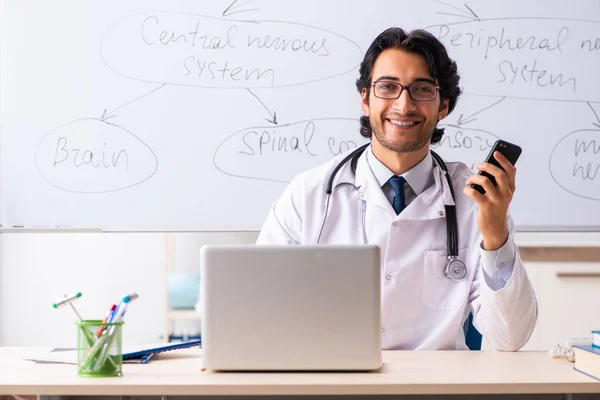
{"x": 404, "y": 104}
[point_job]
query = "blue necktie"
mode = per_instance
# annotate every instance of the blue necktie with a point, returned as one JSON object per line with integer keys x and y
{"x": 397, "y": 183}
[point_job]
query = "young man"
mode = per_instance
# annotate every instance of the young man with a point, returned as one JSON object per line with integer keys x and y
{"x": 394, "y": 195}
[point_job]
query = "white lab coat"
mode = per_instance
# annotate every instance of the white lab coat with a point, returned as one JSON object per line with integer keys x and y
{"x": 421, "y": 307}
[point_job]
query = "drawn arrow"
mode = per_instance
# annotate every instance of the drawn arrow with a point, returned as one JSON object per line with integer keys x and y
{"x": 232, "y": 9}
{"x": 468, "y": 13}
{"x": 462, "y": 120}
{"x": 273, "y": 115}
{"x": 106, "y": 115}
{"x": 595, "y": 114}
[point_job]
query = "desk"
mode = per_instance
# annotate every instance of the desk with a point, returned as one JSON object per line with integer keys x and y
{"x": 178, "y": 373}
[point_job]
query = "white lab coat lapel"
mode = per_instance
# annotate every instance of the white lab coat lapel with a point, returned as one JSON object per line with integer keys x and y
{"x": 368, "y": 185}
{"x": 430, "y": 204}
{"x": 344, "y": 219}
{"x": 379, "y": 213}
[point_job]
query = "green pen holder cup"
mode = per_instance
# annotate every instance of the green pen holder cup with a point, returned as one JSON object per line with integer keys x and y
{"x": 99, "y": 349}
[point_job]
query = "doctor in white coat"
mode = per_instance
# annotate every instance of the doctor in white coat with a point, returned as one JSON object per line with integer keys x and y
{"x": 407, "y": 84}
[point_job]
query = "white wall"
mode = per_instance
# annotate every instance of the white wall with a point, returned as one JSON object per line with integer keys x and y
{"x": 37, "y": 268}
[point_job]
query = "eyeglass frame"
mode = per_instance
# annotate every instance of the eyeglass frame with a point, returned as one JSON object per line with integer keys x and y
{"x": 402, "y": 88}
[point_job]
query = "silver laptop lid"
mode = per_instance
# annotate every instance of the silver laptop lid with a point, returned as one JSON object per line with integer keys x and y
{"x": 291, "y": 307}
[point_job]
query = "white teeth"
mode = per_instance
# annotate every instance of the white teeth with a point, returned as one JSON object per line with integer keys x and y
{"x": 402, "y": 123}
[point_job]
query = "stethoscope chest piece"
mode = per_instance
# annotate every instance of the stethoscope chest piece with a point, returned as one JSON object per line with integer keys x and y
{"x": 456, "y": 269}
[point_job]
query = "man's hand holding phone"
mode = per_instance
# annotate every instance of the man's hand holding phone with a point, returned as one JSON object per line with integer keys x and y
{"x": 495, "y": 200}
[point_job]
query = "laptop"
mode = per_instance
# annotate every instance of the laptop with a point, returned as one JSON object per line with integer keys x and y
{"x": 266, "y": 307}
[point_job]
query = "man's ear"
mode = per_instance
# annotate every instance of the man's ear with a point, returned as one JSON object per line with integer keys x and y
{"x": 364, "y": 104}
{"x": 443, "y": 112}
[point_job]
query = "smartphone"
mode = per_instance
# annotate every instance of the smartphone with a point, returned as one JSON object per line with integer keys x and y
{"x": 509, "y": 150}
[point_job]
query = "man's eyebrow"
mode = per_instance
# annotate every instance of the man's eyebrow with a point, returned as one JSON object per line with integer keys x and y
{"x": 387, "y": 78}
{"x": 395, "y": 79}
{"x": 428, "y": 80}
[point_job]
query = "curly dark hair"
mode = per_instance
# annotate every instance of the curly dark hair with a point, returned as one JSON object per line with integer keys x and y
{"x": 419, "y": 41}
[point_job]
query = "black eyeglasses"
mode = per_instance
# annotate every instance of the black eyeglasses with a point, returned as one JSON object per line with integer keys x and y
{"x": 419, "y": 91}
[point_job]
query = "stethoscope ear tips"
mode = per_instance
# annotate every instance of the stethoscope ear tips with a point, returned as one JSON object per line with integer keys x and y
{"x": 456, "y": 270}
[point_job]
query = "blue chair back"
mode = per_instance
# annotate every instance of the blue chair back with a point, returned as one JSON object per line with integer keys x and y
{"x": 472, "y": 336}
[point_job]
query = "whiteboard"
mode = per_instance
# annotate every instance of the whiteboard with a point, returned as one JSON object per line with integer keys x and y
{"x": 194, "y": 115}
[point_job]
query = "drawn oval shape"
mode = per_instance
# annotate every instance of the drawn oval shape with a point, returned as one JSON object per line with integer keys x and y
{"x": 195, "y": 50}
{"x": 467, "y": 145}
{"x": 575, "y": 163}
{"x": 279, "y": 152}
{"x": 525, "y": 57}
{"x": 91, "y": 155}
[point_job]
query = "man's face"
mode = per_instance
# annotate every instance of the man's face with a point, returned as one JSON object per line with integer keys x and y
{"x": 402, "y": 125}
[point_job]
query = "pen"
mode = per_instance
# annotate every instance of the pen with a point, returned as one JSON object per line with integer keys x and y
{"x": 146, "y": 358}
{"x": 106, "y": 319}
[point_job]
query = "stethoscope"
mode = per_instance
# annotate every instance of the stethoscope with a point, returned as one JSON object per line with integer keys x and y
{"x": 455, "y": 269}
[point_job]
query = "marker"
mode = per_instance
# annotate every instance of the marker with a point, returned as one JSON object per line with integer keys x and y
{"x": 69, "y": 299}
{"x": 120, "y": 311}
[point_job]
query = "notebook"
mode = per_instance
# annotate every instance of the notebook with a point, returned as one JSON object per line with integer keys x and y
{"x": 141, "y": 354}
{"x": 145, "y": 354}
{"x": 587, "y": 360}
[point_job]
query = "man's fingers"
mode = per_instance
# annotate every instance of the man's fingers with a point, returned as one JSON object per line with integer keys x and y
{"x": 505, "y": 180}
{"x": 484, "y": 182}
{"x": 509, "y": 169}
{"x": 477, "y": 197}
{"x": 506, "y": 165}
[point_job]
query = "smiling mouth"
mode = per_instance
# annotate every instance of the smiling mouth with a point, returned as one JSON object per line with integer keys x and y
{"x": 403, "y": 123}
